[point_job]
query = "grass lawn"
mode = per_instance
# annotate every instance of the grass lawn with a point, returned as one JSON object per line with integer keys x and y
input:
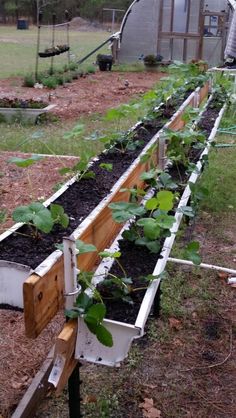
{"x": 18, "y": 48}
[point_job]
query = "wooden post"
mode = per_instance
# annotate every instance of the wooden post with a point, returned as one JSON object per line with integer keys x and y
{"x": 185, "y": 48}
{"x": 64, "y": 351}
{"x": 201, "y": 30}
{"x": 172, "y": 27}
{"x": 160, "y": 23}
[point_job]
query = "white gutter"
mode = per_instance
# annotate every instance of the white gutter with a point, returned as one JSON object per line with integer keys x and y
{"x": 87, "y": 346}
{"x": 161, "y": 264}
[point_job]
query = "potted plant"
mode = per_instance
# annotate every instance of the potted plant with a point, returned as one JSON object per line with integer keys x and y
{"x": 104, "y": 62}
{"x": 13, "y": 109}
{"x": 152, "y": 61}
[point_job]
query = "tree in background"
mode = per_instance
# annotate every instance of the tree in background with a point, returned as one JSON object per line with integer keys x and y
{"x": 91, "y": 9}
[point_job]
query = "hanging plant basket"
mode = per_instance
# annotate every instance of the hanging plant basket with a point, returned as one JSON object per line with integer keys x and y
{"x": 51, "y": 52}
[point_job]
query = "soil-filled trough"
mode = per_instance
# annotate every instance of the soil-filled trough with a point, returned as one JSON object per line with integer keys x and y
{"x": 43, "y": 283}
{"x": 88, "y": 347}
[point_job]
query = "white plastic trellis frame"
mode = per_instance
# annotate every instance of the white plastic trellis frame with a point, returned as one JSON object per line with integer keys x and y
{"x": 88, "y": 347}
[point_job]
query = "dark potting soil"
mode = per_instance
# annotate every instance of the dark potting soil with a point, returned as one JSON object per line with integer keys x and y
{"x": 80, "y": 198}
{"x": 137, "y": 261}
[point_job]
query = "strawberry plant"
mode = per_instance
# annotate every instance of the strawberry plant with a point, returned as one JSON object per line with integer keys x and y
{"x": 40, "y": 218}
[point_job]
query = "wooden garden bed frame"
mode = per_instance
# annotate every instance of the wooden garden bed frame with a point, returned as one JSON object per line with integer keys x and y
{"x": 43, "y": 290}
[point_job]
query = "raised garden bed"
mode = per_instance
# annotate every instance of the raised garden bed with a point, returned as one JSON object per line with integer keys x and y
{"x": 47, "y": 281}
{"x": 12, "y": 110}
{"x": 126, "y": 321}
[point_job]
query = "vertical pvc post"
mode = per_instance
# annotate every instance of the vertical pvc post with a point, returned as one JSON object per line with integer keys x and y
{"x": 162, "y": 151}
{"x": 70, "y": 272}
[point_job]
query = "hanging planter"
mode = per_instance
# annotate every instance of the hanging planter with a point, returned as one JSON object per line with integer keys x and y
{"x": 44, "y": 288}
{"x": 51, "y": 52}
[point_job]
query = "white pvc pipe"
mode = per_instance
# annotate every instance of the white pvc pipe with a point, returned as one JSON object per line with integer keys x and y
{"x": 202, "y": 265}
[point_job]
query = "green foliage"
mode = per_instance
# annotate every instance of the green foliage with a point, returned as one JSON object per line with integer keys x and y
{"x": 180, "y": 143}
{"x": 35, "y": 213}
{"x": 29, "y": 80}
{"x": 80, "y": 168}
{"x": 84, "y": 248}
{"x": 40, "y": 218}
{"x": 106, "y": 166}
{"x": 122, "y": 211}
{"x": 77, "y": 130}
{"x": 25, "y": 162}
{"x": 58, "y": 215}
{"x": 50, "y": 82}
{"x": 191, "y": 252}
{"x": 93, "y": 316}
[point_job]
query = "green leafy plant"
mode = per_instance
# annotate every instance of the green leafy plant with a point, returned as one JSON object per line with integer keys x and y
{"x": 106, "y": 166}
{"x": 93, "y": 316}
{"x": 26, "y": 163}
{"x": 147, "y": 231}
{"x": 40, "y": 218}
{"x": 89, "y": 307}
{"x": 80, "y": 169}
{"x": 191, "y": 252}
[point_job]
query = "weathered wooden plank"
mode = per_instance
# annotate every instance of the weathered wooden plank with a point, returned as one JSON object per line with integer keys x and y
{"x": 36, "y": 391}
{"x": 65, "y": 346}
{"x": 204, "y": 92}
{"x": 43, "y": 297}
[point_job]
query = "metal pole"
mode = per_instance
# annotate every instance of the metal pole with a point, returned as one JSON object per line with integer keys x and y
{"x": 74, "y": 383}
{"x": 53, "y": 40}
{"x": 113, "y": 20}
{"x": 39, "y": 19}
{"x": 67, "y": 32}
{"x": 94, "y": 50}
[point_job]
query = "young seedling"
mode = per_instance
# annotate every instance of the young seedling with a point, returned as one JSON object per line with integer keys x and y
{"x": 80, "y": 170}
{"x": 26, "y": 163}
{"x": 191, "y": 252}
{"x": 149, "y": 230}
{"x": 40, "y": 218}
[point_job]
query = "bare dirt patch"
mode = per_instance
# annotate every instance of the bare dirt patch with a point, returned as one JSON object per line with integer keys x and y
{"x": 93, "y": 93}
{"x": 21, "y": 186}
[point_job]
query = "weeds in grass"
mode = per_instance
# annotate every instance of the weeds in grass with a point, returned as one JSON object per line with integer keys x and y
{"x": 157, "y": 331}
{"x": 135, "y": 357}
{"x": 106, "y": 406}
